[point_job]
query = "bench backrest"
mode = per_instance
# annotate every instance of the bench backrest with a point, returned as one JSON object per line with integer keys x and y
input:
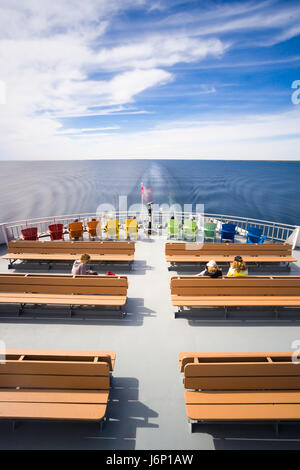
{"x": 40, "y": 371}
{"x": 76, "y": 226}
{"x": 246, "y": 286}
{"x": 64, "y": 284}
{"x": 56, "y": 228}
{"x": 267, "y": 371}
{"x": 67, "y": 247}
{"x": 131, "y": 224}
{"x": 230, "y": 249}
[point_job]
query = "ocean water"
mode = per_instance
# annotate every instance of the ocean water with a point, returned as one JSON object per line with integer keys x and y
{"x": 262, "y": 190}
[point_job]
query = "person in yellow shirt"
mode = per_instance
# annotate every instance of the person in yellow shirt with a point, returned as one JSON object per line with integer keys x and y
{"x": 238, "y": 268}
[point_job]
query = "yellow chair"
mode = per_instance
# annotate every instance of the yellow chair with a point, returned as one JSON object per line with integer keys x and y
{"x": 94, "y": 228}
{"x": 112, "y": 228}
{"x": 75, "y": 230}
{"x": 131, "y": 226}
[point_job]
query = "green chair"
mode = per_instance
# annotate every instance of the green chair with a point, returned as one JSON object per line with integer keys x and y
{"x": 173, "y": 228}
{"x": 210, "y": 230}
{"x": 190, "y": 229}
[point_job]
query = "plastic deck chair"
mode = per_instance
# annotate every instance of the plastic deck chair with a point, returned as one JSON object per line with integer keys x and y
{"x": 255, "y": 235}
{"x": 209, "y": 231}
{"x": 131, "y": 226}
{"x": 112, "y": 228}
{"x": 190, "y": 229}
{"x": 56, "y": 232}
{"x": 228, "y": 232}
{"x": 30, "y": 233}
{"x": 75, "y": 230}
{"x": 173, "y": 228}
{"x": 94, "y": 228}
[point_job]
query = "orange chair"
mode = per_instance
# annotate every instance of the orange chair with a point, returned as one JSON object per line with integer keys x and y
{"x": 75, "y": 230}
{"x": 30, "y": 233}
{"x": 56, "y": 231}
{"x": 94, "y": 228}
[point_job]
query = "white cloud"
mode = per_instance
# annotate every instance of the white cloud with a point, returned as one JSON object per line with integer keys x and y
{"x": 57, "y": 61}
{"x": 158, "y": 51}
{"x": 238, "y": 137}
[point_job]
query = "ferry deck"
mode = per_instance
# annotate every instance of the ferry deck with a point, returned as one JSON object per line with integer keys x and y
{"x": 146, "y": 408}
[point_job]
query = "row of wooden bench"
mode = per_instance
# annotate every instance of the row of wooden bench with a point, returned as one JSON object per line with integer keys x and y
{"x": 255, "y": 253}
{"x": 68, "y": 251}
{"x": 222, "y": 387}
{"x": 123, "y": 252}
{"x": 219, "y": 387}
{"x": 107, "y": 293}
{"x": 193, "y": 292}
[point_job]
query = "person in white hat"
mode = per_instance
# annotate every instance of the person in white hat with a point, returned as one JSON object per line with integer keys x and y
{"x": 211, "y": 270}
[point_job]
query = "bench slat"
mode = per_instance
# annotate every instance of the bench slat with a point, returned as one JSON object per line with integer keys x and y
{"x": 264, "y": 369}
{"x": 54, "y": 368}
{"x": 242, "y": 397}
{"x": 242, "y": 412}
{"x": 243, "y": 383}
{"x": 232, "y": 301}
{"x": 63, "y": 411}
{"x": 53, "y": 299}
{"x": 54, "y": 381}
{"x": 54, "y": 396}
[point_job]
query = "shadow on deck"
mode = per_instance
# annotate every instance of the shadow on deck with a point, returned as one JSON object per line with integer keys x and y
{"x": 253, "y": 436}
{"x": 134, "y": 308}
{"x": 125, "y": 415}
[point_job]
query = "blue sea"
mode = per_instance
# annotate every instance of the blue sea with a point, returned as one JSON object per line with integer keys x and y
{"x": 262, "y": 190}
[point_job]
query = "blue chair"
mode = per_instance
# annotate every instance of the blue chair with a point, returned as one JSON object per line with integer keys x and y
{"x": 255, "y": 235}
{"x": 228, "y": 232}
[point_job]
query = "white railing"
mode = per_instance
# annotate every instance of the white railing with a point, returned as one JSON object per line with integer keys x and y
{"x": 272, "y": 230}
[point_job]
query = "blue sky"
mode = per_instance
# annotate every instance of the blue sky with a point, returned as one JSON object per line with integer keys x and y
{"x": 149, "y": 79}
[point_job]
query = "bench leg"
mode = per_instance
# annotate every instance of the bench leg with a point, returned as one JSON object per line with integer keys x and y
{"x": 225, "y": 312}
{"x": 11, "y": 263}
{"x": 178, "y": 312}
{"x": 21, "y": 309}
{"x": 276, "y": 426}
{"x": 15, "y": 425}
{"x": 190, "y": 423}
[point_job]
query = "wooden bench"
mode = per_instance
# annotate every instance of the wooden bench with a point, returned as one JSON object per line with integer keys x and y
{"x": 256, "y": 291}
{"x": 109, "y": 292}
{"x": 251, "y": 387}
{"x": 187, "y": 253}
{"x": 53, "y": 251}
{"x": 55, "y": 385}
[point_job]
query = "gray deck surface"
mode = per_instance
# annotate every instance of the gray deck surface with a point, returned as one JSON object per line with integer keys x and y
{"x": 147, "y": 409}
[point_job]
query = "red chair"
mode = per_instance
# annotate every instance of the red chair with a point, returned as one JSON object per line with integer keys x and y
{"x": 56, "y": 232}
{"x": 30, "y": 233}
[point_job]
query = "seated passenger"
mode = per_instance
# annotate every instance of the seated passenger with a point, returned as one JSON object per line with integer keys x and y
{"x": 211, "y": 270}
{"x": 79, "y": 266}
{"x": 237, "y": 268}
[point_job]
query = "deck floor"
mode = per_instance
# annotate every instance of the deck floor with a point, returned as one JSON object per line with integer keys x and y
{"x": 147, "y": 409}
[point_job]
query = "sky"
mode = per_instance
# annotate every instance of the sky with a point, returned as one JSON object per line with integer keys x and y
{"x": 149, "y": 79}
